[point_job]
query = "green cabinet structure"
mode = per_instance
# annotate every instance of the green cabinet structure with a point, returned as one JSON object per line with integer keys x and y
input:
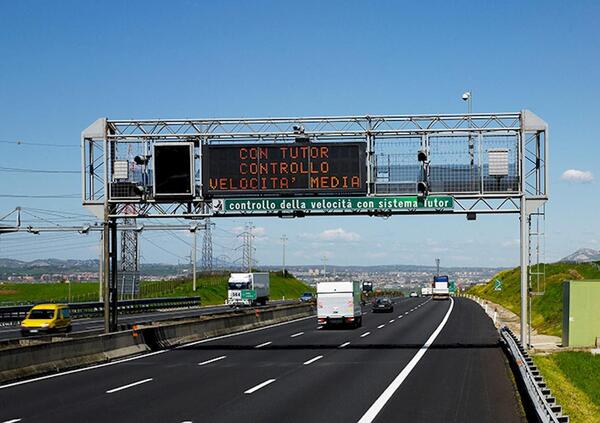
{"x": 581, "y": 313}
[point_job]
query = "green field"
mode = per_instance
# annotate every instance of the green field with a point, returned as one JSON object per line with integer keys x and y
{"x": 546, "y": 309}
{"x": 573, "y": 379}
{"x": 212, "y": 289}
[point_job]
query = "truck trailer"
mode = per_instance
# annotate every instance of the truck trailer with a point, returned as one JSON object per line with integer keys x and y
{"x": 248, "y": 289}
{"x": 440, "y": 290}
{"x": 339, "y": 303}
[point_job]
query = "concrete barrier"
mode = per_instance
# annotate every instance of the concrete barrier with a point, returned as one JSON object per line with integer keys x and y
{"x": 165, "y": 335}
{"x": 31, "y": 360}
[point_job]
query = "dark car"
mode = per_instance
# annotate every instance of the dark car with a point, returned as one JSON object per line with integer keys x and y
{"x": 382, "y": 304}
{"x": 307, "y": 297}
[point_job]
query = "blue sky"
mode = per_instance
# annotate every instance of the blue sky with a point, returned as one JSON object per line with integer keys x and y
{"x": 64, "y": 64}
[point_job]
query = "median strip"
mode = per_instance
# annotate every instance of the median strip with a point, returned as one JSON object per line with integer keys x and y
{"x": 312, "y": 360}
{"x": 120, "y": 388}
{"x": 259, "y": 386}
{"x": 212, "y": 360}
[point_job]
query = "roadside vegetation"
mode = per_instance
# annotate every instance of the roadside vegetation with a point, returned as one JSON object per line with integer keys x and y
{"x": 546, "y": 309}
{"x": 212, "y": 289}
{"x": 573, "y": 379}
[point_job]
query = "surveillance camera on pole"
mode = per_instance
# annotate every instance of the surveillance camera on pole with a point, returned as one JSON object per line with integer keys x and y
{"x": 466, "y": 95}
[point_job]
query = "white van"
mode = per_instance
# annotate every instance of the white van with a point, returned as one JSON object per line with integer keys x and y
{"x": 339, "y": 303}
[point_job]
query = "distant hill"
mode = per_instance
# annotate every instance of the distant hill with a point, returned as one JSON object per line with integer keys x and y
{"x": 583, "y": 255}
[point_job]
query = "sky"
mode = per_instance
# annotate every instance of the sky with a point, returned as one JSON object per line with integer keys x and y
{"x": 65, "y": 64}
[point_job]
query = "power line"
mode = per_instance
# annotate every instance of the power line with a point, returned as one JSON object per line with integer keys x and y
{"x": 46, "y": 171}
{"x": 37, "y": 144}
{"x": 40, "y": 196}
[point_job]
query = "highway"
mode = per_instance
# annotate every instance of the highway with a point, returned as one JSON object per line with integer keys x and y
{"x": 96, "y": 324}
{"x": 428, "y": 361}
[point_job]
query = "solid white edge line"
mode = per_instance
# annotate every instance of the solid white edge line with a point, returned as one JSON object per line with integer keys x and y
{"x": 137, "y": 357}
{"x": 312, "y": 360}
{"x": 365, "y": 334}
{"x": 212, "y": 360}
{"x": 345, "y": 344}
{"x": 120, "y": 388}
{"x": 264, "y": 344}
{"x": 378, "y": 405}
{"x": 296, "y": 334}
{"x": 260, "y": 385}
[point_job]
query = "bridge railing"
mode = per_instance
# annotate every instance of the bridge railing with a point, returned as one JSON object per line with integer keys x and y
{"x": 13, "y": 315}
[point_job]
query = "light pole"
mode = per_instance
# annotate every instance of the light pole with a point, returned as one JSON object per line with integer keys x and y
{"x": 283, "y": 241}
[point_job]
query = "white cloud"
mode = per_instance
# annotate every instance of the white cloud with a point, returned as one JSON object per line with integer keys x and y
{"x": 338, "y": 234}
{"x": 331, "y": 235}
{"x": 579, "y": 176}
{"x": 511, "y": 243}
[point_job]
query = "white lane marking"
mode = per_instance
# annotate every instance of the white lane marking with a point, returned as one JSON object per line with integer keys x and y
{"x": 364, "y": 313}
{"x": 345, "y": 344}
{"x": 406, "y": 312}
{"x": 372, "y": 412}
{"x": 392, "y": 321}
{"x": 312, "y": 360}
{"x": 319, "y": 327}
{"x": 137, "y": 357}
{"x": 380, "y": 326}
{"x": 260, "y": 385}
{"x": 400, "y": 317}
{"x": 12, "y": 421}
{"x": 264, "y": 344}
{"x": 296, "y": 334}
{"x": 212, "y": 360}
{"x": 365, "y": 334}
{"x": 120, "y": 388}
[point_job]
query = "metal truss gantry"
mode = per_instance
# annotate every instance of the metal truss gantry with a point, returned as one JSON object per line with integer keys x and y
{"x": 459, "y": 146}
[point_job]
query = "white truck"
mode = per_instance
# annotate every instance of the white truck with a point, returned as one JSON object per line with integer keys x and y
{"x": 440, "y": 289}
{"x": 339, "y": 303}
{"x": 426, "y": 291}
{"x": 248, "y": 289}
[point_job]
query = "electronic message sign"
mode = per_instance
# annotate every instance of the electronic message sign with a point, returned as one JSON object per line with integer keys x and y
{"x": 284, "y": 169}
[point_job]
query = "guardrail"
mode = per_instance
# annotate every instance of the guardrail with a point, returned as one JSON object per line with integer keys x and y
{"x": 543, "y": 403}
{"x": 14, "y": 314}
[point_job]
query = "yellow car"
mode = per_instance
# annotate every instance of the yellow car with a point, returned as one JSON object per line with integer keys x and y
{"x": 46, "y": 318}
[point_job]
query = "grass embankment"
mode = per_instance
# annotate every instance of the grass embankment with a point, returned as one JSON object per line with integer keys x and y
{"x": 26, "y": 293}
{"x": 546, "y": 309}
{"x": 573, "y": 380}
{"x": 212, "y": 289}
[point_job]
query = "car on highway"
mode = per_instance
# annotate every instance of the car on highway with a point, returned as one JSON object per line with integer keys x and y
{"x": 382, "y": 304}
{"x": 46, "y": 318}
{"x": 307, "y": 297}
{"x": 413, "y": 295}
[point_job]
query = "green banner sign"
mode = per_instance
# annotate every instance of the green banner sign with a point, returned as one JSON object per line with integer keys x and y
{"x": 333, "y": 204}
{"x": 248, "y": 294}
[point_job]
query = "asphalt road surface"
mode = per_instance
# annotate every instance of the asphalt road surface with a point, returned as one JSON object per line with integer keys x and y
{"x": 428, "y": 361}
{"x": 96, "y": 324}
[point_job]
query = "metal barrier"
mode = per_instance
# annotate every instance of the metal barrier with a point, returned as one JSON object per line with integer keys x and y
{"x": 14, "y": 314}
{"x": 540, "y": 397}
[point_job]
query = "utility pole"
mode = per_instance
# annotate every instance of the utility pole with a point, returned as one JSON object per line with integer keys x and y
{"x": 194, "y": 230}
{"x": 247, "y": 248}
{"x": 283, "y": 242}
{"x": 437, "y": 265}
{"x": 101, "y": 268}
{"x": 207, "y": 247}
